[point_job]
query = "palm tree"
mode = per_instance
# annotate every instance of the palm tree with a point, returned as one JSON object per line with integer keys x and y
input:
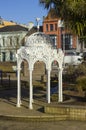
{"x": 74, "y": 15}
{"x": 73, "y": 12}
{"x": 47, "y": 3}
{"x": 56, "y": 4}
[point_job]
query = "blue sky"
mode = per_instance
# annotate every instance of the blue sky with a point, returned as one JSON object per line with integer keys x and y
{"x": 22, "y": 11}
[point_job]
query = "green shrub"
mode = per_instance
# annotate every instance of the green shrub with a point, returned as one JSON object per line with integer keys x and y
{"x": 54, "y": 97}
{"x": 81, "y": 82}
{"x": 73, "y": 72}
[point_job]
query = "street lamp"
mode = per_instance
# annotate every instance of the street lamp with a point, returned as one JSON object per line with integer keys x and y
{"x": 38, "y": 19}
{"x": 61, "y": 25}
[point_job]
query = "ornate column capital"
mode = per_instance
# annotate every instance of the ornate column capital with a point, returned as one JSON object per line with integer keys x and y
{"x": 19, "y": 68}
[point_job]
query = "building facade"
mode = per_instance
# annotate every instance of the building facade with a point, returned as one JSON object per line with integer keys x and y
{"x": 11, "y": 38}
{"x": 62, "y": 38}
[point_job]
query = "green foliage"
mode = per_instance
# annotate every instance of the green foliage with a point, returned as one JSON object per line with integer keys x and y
{"x": 73, "y": 72}
{"x": 74, "y": 15}
{"x": 70, "y": 70}
{"x": 54, "y": 97}
{"x": 81, "y": 70}
{"x": 7, "y": 66}
{"x": 81, "y": 82}
{"x": 73, "y": 12}
{"x": 82, "y": 39}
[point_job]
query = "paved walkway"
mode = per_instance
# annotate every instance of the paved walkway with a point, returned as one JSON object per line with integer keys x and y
{"x": 8, "y": 107}
{"x": 61, "y": 125}
{"x": 8, "y": 104}
{"x": 8, "y": 101}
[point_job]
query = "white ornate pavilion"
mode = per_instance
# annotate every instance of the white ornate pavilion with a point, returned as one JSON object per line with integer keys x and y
{"x": 39, "y": 47}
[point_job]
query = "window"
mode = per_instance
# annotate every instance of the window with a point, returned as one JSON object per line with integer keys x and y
{"x": 66, "y": 41}
{"x": 11, "y": 41}
{"x": 11, "y": 56}
{"x": 51, "y": 27}
{"x": 47, "y": 27}
{"x": 3, "y": 42}
{"x": 54, "y": 39}
{"x": 3, "y": 56}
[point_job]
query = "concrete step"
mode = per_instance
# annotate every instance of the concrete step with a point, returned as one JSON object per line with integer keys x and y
{"x": 42, "y": 118}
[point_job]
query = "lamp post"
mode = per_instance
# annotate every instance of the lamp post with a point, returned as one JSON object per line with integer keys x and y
{"x": 64, "y": 43}
{"x": 60, "y": 25}
{"x": 38, "y": 19}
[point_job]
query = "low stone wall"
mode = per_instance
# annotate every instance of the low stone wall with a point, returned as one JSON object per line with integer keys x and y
{"x": 44, "y": 118}
{"x": 72, "y": 112}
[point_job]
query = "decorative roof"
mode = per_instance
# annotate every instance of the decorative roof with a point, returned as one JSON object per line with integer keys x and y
{"x": 13, "y": 28}
{"x": 39, "y": 47}
{"x": 39, "y": 39}
{"x": 34, "y": 29}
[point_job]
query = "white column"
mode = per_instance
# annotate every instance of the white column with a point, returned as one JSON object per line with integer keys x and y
{"x": 18, "y": 88}
{"x": 48, "y": 85}
{"x": 60, "y": 95}
{"x": 31, "y": 91}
